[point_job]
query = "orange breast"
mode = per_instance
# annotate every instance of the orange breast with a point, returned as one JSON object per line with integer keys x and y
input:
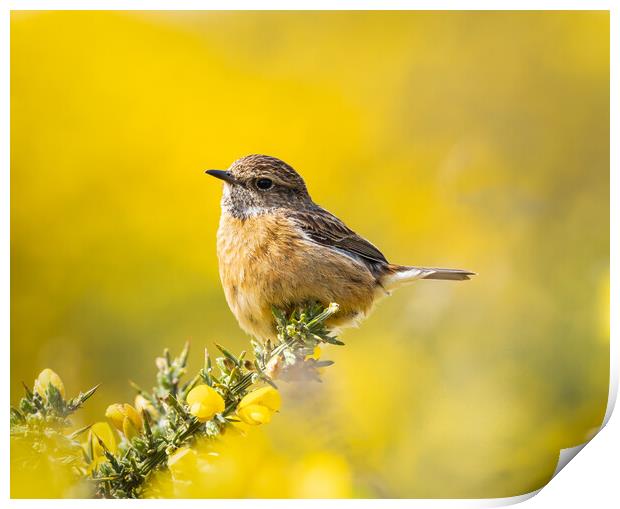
{"x": 266, "y": 261}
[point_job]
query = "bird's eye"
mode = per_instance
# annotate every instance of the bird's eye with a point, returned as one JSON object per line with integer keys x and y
{"x": 264, "y": 184}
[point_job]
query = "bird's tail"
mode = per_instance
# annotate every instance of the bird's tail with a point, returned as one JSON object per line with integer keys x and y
{"x": 398, "y": 275}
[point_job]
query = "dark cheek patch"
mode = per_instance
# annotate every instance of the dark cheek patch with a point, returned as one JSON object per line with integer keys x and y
{"x": 239, "y": 200}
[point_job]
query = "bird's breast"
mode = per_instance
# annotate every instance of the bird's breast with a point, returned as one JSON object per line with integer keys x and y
{"x": 266, "y": 261}
{"x": 254, "y": 259}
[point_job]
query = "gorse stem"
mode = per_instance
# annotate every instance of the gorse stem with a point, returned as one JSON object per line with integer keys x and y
{"x": 177, "y": 420}
{"x": 174, "y": 413}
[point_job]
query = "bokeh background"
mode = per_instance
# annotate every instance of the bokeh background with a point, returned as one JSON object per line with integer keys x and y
{"x": 470, "y": 139}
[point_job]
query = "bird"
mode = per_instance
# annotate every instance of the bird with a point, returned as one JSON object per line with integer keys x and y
{"x": 277, "y": 248}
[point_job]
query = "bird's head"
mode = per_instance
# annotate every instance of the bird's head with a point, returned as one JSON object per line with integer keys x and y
{"x": 257, "y": 183}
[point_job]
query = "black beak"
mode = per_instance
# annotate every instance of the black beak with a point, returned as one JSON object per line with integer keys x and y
{"x": 222, "y": 175}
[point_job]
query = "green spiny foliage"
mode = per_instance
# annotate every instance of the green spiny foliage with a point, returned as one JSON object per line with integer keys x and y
{"x": 39, "y": 430}
{"x": 166, "y": 420}
{"x": 171, "y": 425}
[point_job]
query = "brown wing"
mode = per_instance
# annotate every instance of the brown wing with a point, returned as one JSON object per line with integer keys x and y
{"x": 326, "y": 229}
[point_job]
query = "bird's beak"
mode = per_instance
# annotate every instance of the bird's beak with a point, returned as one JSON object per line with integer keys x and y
{"x": 226, "y": 176}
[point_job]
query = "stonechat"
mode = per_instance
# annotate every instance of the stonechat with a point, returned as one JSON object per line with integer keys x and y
{"x": 276, "y": 247}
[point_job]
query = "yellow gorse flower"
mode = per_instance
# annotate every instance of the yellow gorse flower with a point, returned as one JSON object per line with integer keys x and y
{"x": 143, "y": 404}
{"x": 204, "y": 402}
{"x": 45, "y": 378}
{"x": 258, "y": 406}
{"x": 125, "y": 418}
{"x": 99, "y": 431}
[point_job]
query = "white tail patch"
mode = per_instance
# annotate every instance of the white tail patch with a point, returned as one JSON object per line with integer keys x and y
{"x": 402, "y": 277}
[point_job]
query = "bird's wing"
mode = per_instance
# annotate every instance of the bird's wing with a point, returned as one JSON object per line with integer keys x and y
{"x": 326, "y": 229}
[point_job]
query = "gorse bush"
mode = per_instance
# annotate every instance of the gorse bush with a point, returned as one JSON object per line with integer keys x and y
{"x": 166, "y": 427}
{"x": 46, "y": 459}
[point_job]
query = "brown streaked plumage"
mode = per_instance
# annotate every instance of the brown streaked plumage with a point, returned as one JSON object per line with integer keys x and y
{"x": 276, "y": 247}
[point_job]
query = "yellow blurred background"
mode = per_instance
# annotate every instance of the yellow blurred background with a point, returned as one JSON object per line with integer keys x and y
{"x": 469, "y": 139}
